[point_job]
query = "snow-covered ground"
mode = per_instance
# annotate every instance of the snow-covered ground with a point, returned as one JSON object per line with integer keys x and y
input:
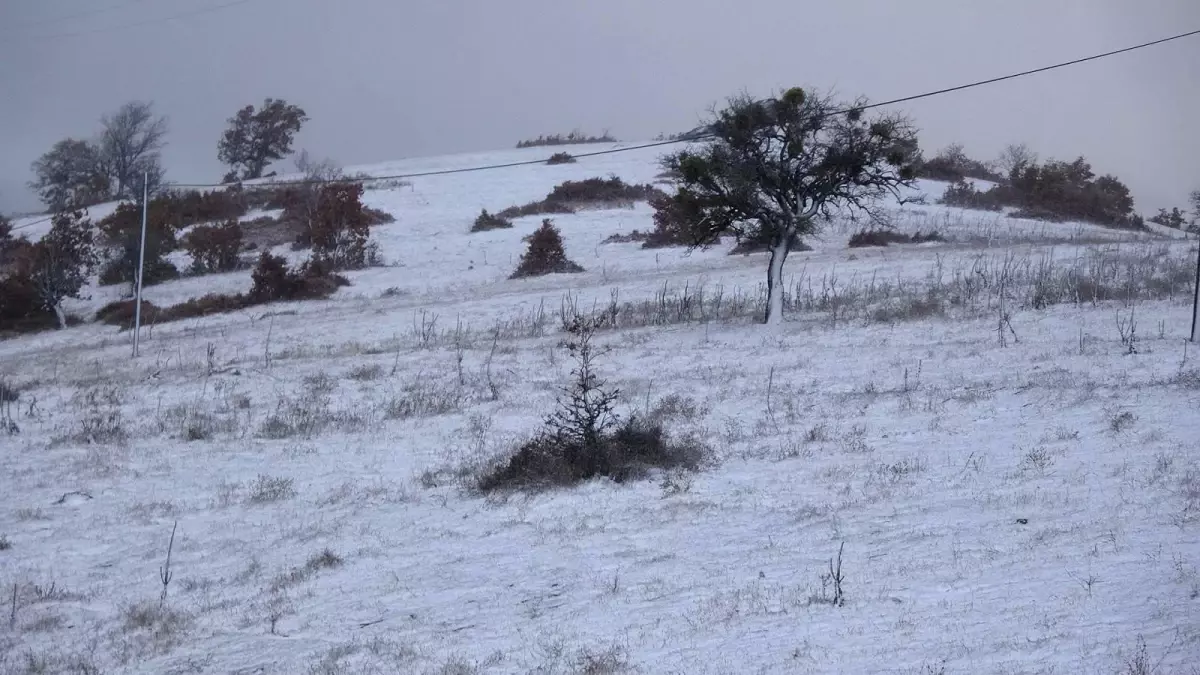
{"x": 1012, "y": 497}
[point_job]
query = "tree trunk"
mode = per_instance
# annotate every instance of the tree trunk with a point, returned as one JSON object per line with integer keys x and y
{"x": 779, "y": 252}
{"x": 62, "y": 316}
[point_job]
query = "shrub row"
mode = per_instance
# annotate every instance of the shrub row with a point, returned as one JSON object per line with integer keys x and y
{"x": 573, "y": 138}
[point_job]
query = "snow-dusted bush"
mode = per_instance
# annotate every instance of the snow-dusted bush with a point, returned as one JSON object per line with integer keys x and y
{"x": 545, "y": 254}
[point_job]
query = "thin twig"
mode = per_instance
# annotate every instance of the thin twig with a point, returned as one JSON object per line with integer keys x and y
{"x": 164, "y": 572}
{"x": 770, "y": 411}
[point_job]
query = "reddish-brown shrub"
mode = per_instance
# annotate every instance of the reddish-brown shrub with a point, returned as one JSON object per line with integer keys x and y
{"x": 121, "y": 313}
{"x": 214, "y": 248}
{"x": 274, "y": 281}
{"x": 213, "y": 303}
{"x": 21, "y": 307}
{"x": 545, "y": 254}
{"x": 338, "y": 227}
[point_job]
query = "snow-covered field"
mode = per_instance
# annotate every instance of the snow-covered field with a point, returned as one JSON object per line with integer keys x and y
{"x": 1017, "y": 496}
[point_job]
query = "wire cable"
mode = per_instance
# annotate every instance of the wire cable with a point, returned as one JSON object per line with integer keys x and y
{"x": 138, "y": 24}
{"x": 691, "y": 138}
{"x": 688, "y": 138}
{"x": 69, "y": 17}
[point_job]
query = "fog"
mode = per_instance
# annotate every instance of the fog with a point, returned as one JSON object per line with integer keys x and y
{"x": 386, "y": 80}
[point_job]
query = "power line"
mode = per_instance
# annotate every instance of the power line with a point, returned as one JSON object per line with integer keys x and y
{"x": 690, "y": 138}
{"x": 147, "y": 22}
{"x": 77, "y": 15}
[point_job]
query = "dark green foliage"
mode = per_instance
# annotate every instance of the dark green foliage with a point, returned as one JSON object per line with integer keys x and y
{"x": 1173, "y": 218}
{"x": 255, "y": 138}
{"x": 628, "y": 452}
{"x": 865, "y": 238}
{"x": 545, "y": 254}
{"x": 592, "y": 192}
{"x": 677, "y": 221}
{"x": 44, "y": 273}
{"x": 122, "y": 230}
{"x": 635, "y": 237}
{"x": 599, "y": 190}
{"x": 487, "y": 221}
{"x": 1055, "y": 191}
{"x": 584, "y": 438}
{"x": 953, "y": 165}
{"x": 573, "y": 138}
{"x": 8, "y": 243}
{"x": 776, "y": 167}
{"x": 964, "y": 195}
{"x": 561, "y": 158}
{"x": 759, "y": 241}
{"x": 71, "y": 176}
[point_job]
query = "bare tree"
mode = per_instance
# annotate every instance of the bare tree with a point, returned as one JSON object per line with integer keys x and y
{"x": 130, "y": 143}
{"x": 1014, "y": 157}
{"x": 70, "y": 175}
{"x": 774, "y": 166}
{"x": 255, "y": 138}
{"x": 1195, "y": 199}
{"x": 58, "y": 265}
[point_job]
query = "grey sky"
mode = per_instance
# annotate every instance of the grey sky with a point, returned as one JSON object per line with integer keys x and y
{"x": 386, "y": 79}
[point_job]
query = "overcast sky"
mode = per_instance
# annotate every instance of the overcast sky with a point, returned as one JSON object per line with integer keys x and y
{"x": 388, "y": 79}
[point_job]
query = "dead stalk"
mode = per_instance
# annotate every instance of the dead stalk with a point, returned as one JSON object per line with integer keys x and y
{"x": 164, "y": 572}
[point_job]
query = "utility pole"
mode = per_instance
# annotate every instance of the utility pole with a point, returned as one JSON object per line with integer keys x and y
{"x": 137, "y": 308}
{"x": 1196, "y": 298}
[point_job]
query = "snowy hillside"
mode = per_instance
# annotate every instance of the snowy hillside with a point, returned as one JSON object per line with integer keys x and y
{"x": 1010, "y": 466}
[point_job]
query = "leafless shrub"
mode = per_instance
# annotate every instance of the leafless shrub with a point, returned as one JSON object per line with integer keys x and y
{"x": 976, "y": 288}
{"x": 322, "y": 560}
{"x": 267, "y": 489}
{"x": 610, "y": 661}
{"x": 47, "y": 663}
{"x": 153, "y": 629}
{"x": 101, "y": 422}
{"x": 1139, "y": 663}
{"x": 817, "y": 434}
{"x": 191, "y": 423}
{"x": 832, "y": 591}
{"x": 366, "y": 373}
{"x": 1120, "y": 420}
{"x": 1037, "y": 459}
{"x": 9, "y": 395}
{"x": 310, "y": 412}
{"x": 424, "y": 398}
{"x": 561, "y": 158}
{"x": 5, "y": 543}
